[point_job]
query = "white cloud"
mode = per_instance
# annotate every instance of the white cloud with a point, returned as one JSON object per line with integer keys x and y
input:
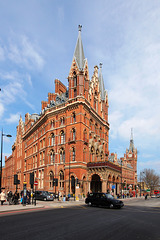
{"x": 151, "y": 164}
{"x": 14, "y": 118}
{"x": 2, "y": 55}
{"x": 22, "y": 51}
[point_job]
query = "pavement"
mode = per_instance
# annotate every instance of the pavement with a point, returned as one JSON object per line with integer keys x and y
{"x": 41, "y": 204}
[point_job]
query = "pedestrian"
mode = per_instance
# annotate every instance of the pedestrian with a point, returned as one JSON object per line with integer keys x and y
{"x": 10, "y": 195}
{"x": 146, "y": 196}
{"x": 2, "y": 197}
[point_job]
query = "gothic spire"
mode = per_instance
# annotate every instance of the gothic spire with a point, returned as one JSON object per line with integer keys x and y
{"x": 131, "y": 146}
{"x": 101, "y": 83}
{"x": 79, "y": 53}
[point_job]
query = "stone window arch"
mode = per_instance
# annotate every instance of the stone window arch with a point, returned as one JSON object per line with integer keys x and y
{"x": 62, "y": 155}
{"x": 61, "y": 180}
{"x": 62, "y": 137}
{"x": 51, "y": 177}
{"x": 52, "y": 157}
{"x": 52, "y": 139}
{"x": 73, "y": 156}
{"x": 73, "y": 134}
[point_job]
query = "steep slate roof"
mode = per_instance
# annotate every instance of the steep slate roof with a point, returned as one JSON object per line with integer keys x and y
{"x": 101, "y": 83}
{"x": 79, "y": 53}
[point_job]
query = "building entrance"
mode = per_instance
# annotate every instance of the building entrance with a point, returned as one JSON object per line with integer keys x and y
{"x": 96, "y": 184}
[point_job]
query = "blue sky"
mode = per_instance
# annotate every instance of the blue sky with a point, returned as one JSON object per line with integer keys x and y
{"x": 37, "y": 43}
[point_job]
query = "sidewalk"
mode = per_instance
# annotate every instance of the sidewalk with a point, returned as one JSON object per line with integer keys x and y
{"x": 39, "y": 204}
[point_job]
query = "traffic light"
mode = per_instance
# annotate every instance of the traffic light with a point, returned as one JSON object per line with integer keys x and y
{"x": 77, "y": 181}
{"x": 55, "y": 182}
{"x": 32, "y": 178}
{"x": 18, "y": 181}
{"x": 15, "y": 179}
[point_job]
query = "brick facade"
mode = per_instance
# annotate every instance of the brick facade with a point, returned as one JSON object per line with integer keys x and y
{"x": 69, "y": 139}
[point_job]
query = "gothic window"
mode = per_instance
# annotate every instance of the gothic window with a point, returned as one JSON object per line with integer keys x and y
{"x": 73, "y": 117}
{"x": 73, "y": 154}
{"x": 51, "y": 176}
{"x": 52, "y": 157}
{"x": 61, "y": 179}
{"x": 40, "y": 159}
{"x": 43, "y": 157}
{"x": 62, "y": 137}
{"x": 62, "y": 155}
{"x": 73, "y": 134}
{"x": 52, "y": 139}
{"x": 75, "y": 79}
{"x": 52, "y": 124}
{"x": 62, "y": 121}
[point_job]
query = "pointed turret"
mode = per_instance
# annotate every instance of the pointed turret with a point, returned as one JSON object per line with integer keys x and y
{"x": 79, "y": 53}
{"x": 131, "y": 146}
{"x": 78, "y": 79}
{"x": 101, "y": 83}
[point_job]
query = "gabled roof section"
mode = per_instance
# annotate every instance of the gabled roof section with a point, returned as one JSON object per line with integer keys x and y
{"x": 79, "y": 53}
{"x": 101, "y": 83}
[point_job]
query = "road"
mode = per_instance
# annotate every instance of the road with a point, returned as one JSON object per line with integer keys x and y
{"x": 139, "y": 219}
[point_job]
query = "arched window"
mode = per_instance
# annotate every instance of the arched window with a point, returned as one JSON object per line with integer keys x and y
{"x": 62, "y": 155}
{"x": 73, "y": 134}
{"x": 75, "y": 79}
{"x": 51, "y": 176}
{"x": 52, "y": 124}
{"x": 73, "y": 117}
{"x": 62, "y": 121}
{"x": 52, "y": 139}
{"x": 52, "y": 157}
{"x": 73, "y": 154}
{"x": 61, "y": 179}
{"x": 62, "y": 137}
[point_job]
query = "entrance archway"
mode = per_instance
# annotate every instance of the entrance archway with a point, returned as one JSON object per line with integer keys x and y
{"x": 96, "y": 184}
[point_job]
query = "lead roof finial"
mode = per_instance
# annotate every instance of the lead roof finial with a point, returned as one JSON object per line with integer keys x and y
{"x": 79, "y": 28}
{"x": 100, "y": 65}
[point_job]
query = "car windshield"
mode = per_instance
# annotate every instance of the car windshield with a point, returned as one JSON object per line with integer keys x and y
{"x": 109, "y": 196}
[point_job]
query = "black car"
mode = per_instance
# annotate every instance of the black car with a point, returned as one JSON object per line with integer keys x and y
{"x": 44, "y": 195}
{"x": 103, "y": 199}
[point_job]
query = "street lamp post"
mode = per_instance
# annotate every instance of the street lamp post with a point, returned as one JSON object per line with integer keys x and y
{"x": 121, "y": 178}
{"x": 2, "y": 135}
{"x": 140, "y": 183}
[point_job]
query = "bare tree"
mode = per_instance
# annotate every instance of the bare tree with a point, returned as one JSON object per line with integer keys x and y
{"x": 150, "y": 178}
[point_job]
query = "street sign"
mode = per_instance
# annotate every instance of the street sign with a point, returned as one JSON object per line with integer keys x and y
{"x": 35, "y": 183}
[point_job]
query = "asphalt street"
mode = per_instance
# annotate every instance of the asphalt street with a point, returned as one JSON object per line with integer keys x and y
{"x": 139, "y": 219}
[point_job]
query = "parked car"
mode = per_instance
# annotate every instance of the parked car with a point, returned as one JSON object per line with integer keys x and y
{"x": 44, "y": 195}
{"x": 103, "y": 199}
{"x": 158, "y": 195}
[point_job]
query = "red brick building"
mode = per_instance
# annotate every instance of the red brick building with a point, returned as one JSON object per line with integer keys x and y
{"x": 69, "y": 139}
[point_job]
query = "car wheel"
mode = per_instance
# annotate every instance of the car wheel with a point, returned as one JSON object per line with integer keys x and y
{"x": 90, "y": 204}
{"x": 45, "y": 199}
{"x": 111, "y": 205}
